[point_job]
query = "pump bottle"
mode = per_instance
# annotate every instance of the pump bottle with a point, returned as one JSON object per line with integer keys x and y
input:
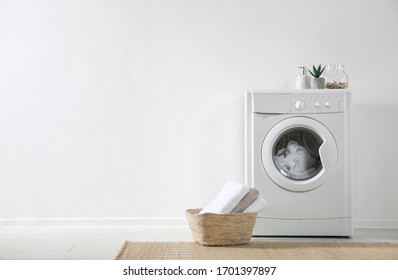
{"x": 303, "y": 80}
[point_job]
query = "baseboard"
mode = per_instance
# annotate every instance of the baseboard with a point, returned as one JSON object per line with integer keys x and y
{"x": 147, "y": 222}
{"x": 376, "y": 223}
{"x": 93, "y": 222}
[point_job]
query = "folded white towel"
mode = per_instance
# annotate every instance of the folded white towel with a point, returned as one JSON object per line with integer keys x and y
{"x": 257, "y": 206}
{"x": 227, "y": 199}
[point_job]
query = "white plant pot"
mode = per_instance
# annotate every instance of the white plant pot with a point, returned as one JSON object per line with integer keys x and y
{"x": 318, "y": 83}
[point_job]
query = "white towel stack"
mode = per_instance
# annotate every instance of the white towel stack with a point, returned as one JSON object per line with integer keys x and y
{"x": 230, "y": 196}
{"x": 257, "y": 206}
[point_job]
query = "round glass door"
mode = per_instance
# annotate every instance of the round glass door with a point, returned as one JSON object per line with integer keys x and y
{"x": 299, "y": 154}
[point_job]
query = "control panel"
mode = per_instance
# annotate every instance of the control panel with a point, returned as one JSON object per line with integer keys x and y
{"x": 317, "y": 103}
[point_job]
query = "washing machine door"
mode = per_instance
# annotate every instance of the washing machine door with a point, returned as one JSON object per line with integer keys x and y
{"x": 299, "y": 154}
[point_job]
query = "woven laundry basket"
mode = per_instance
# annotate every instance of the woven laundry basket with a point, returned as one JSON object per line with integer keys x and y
{"x": 220, "y": 229}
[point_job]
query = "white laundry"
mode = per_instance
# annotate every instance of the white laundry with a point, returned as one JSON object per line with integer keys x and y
{"x": 256, "y": 206}
{"x": 295, "y": 161}
{"x": 227, "y": 199}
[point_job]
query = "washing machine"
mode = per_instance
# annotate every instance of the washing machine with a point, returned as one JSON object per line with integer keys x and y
{"x": 298, "y": 155}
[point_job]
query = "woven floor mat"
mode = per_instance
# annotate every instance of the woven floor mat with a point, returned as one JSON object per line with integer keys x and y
{"x": 259, "y": 250}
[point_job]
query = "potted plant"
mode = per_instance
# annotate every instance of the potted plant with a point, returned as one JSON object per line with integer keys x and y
{"x": 317, "y": 82}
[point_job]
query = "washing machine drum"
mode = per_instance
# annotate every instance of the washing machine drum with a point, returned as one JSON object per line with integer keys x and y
{"x": 299, "y": 154}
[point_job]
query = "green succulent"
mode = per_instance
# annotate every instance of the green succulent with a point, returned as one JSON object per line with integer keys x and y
{"x": 317, "y": 71}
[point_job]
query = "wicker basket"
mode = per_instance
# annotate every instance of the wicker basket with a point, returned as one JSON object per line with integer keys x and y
{"x": 220, "y": 229}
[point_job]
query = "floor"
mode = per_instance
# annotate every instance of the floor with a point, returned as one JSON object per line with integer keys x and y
{"x": 103, "y": 243}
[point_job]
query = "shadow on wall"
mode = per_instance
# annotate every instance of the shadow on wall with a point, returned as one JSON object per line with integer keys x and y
{"x": 375, "y": 161}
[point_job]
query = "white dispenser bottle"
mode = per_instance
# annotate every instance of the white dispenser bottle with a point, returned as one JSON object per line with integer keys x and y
{"x": 303, "y": 80}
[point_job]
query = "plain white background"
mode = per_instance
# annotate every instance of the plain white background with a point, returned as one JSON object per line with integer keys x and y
{"x": 134, "y": 109}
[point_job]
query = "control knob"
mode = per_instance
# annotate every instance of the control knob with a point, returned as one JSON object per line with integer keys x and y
{"x": 328, "y": 105}
{"x": 299, "y": 105}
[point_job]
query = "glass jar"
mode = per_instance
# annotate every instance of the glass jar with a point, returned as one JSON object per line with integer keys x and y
{"x": 336, "y": 77}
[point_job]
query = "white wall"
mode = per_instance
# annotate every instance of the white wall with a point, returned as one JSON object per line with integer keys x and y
{"x": 135, "y": 108}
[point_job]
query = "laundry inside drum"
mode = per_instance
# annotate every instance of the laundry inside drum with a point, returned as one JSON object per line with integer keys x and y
{"x": 296, "y": 154}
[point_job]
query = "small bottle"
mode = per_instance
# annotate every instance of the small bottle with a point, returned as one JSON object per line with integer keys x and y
{"x": 303, "y": 80}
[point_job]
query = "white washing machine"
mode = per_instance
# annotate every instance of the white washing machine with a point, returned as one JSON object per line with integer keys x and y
{"x": 298, "y": 155}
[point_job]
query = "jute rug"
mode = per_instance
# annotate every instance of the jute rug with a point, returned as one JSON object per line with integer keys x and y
{"x": 258, "y": 251}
